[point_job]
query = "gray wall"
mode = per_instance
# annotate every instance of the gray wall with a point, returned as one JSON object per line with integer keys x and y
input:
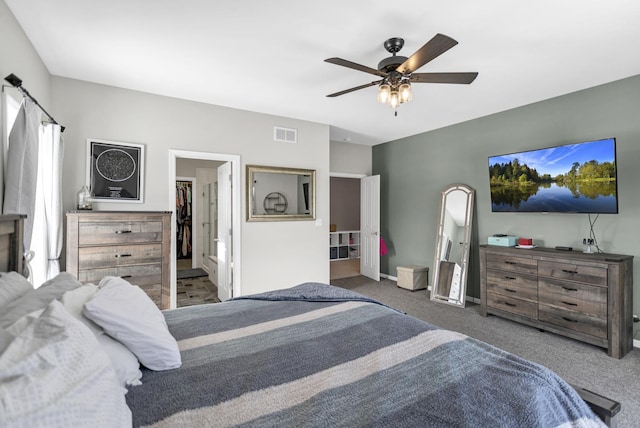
{"x": 415, "y": 170}
{"x": 350, "y": 158}
{"x": 274, "y": 254}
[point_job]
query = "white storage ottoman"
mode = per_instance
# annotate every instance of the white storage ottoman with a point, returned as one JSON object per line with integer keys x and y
{"x": 413, "y": 277}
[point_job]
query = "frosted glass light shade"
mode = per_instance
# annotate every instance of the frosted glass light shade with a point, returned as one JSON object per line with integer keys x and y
{"x": 394, "y": 99}
{"x": 384, "y": 92}
{"x": 405, "y": 92}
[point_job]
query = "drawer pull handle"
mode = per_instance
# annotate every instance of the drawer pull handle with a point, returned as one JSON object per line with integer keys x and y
{"x": 510, "y": 304}
{"x": 125, "y": 276}
{"x": 510, "y": 262}
{"x": 510, "y": 290}
{"x": 569, "y": 303}
{"x": 569, "y": 271}
{"x": 123, "y": 255}
{"x": 569, "y": 319}
{"x": 123, "y": 231}
{"x": 569, "y": 289}
{"x": 510, "y": 277}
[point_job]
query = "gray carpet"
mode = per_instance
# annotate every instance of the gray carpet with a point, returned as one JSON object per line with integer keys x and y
{"x": 578, "y": 363}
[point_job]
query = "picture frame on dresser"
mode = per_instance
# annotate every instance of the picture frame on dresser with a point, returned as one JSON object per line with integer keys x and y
{"x": 115, "y": 171}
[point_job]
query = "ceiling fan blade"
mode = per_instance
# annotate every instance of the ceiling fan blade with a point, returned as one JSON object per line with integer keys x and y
{"x": 354, "y": 66}
{"x": 432, "y": 49}
{"x": 346, "y": 91}
{"x": 463, "y": 78}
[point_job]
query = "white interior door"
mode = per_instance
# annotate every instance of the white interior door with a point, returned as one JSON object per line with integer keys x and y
{"x": 225, "y": 278}
{"x": 370, "y": 227}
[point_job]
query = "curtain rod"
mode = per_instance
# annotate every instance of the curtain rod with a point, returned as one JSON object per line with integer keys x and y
{"x": 17, "y": 83}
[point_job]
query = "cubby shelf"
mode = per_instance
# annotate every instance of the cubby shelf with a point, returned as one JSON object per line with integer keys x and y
{"x": 344, "y": 245}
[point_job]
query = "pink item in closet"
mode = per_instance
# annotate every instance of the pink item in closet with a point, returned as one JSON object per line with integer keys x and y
{"x": 383, "y": 247}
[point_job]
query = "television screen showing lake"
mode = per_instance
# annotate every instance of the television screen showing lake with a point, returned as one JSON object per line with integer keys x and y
{"x": 554, "y": 198}
{"x": 576, "y": 178}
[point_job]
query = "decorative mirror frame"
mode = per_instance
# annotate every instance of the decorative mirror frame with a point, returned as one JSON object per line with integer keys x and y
{"x": 254, "y": 206}
{"x": 459, "y": 293}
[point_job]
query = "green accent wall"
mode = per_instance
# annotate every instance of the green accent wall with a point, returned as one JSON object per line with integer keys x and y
{"x": 414, "y": 170}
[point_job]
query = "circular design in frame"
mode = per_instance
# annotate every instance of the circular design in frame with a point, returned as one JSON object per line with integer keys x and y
{"x": 115, "y": 165}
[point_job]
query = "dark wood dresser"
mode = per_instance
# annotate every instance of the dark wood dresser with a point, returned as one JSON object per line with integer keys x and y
{"x": 588, "y": 297}
{"x": 134, "y": 245}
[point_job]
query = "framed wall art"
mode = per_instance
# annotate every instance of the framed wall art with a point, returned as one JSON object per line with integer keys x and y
{"x": 115, "y": 171}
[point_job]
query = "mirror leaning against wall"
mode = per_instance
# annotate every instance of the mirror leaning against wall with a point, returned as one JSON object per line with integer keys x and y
{"x": 453, "y": 239}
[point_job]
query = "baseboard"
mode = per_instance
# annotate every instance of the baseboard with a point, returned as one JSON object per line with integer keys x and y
{"x": 392, "y": 278}
{"x": 636, "y": 343}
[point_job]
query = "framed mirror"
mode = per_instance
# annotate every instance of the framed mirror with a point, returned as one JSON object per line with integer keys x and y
{"x": 453, "y": 241}
{"x": 280, "y": 194}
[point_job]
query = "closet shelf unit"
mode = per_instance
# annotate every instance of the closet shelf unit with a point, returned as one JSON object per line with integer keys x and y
{"x": 344, "y": 245}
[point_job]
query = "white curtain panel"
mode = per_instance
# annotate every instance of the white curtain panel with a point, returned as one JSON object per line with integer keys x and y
{"x": 50, "y": 178}
{"x": 33, "y": 186}
{"x": 22, "y": 160}
{"x": 47, "y": 216}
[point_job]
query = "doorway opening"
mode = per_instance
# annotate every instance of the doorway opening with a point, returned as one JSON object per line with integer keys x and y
{"x": 201, "y": 170}
{"x": 344, "y": 234}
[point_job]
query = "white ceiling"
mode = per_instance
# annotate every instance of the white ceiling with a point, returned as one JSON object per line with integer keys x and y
{"x": 268, "y": 56}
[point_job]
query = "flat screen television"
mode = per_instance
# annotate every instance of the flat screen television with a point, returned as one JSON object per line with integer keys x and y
{"x": 572, "y": 178}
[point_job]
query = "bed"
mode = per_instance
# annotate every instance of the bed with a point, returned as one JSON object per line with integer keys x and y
{"x": 310, "y": 355}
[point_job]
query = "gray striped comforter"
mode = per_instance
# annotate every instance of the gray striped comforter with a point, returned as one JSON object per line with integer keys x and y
{"x": 317, "y": 355}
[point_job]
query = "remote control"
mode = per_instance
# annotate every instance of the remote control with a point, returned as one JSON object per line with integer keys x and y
{"x": 561, "y": 248}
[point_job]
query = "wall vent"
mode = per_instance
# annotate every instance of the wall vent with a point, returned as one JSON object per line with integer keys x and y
{"x": 286, "y": 135}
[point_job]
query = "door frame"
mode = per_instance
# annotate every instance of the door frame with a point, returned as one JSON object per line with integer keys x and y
{"x": 236, "y": 194}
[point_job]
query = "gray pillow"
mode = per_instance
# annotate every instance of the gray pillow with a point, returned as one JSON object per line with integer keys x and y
{"x": 12, "y": 287}
{"x": 39, "y": 298}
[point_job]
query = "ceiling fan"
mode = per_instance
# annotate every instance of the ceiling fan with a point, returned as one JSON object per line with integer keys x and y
{"x": 397, "y": 72}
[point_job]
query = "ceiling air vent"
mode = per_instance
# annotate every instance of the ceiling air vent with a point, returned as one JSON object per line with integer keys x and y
{"x": 286, "y": 135}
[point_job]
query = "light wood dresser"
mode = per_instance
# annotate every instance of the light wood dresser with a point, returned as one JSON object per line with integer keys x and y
{"x": 588, "y": 297}
{"x": 134, "y": 245}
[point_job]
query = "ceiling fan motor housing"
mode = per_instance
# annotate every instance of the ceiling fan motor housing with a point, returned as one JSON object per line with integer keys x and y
{"x": 391, "y": 63}
{"x": 393, "y": 46}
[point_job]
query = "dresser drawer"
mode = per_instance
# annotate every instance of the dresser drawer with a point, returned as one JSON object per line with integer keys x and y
{"x": 582, "y": 323}
{"x": 576, "y": 272}
{"x": 147, "y": 277}
{"x": 574, "y": 297}
{"x": 512, "y": 263}
{"x": 118, "y": 255}
{"x": 512, "y": 284}
{"x": 137, "y": 275}
{"x": 119, "y": 232}
{"x": 512, "y": 305}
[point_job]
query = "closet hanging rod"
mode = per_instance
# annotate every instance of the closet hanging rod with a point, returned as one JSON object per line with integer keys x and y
{"x": 17, "y": 83}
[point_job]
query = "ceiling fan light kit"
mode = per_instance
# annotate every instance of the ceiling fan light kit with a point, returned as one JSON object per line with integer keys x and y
{"x": 397, "y": 71}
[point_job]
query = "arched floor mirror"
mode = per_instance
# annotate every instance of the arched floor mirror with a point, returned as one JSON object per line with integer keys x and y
{"x": 453, "y": 240}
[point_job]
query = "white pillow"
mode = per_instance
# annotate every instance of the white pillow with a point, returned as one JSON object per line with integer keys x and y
{"x": 12, "y": 287}
{"x": 124, "y": 362}
{"x": 38, "y": 299}
{"x": 128, "y": 315}
{"x": 53, "y": 373}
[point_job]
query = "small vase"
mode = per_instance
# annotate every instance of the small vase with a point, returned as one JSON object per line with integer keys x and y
{"x": 85, "y": 199}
